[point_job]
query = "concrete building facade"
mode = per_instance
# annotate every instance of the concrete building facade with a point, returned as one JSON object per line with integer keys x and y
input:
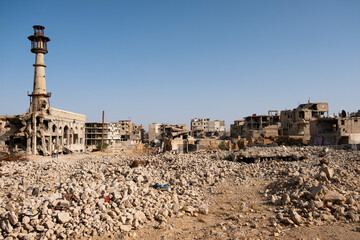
{"x": 297, "y": 122}
{"x": 237, "y": 129}
{"x": 336, "y": 130}
{"x": 262, "y": 125}
{"x": 169, "y": 137}
{"x": 205, "y": 128}
{"x": 154, "y": 131}
{"x": 115, "y": 133}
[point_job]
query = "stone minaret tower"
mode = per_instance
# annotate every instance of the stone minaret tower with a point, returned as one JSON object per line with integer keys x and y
{"x": 39, "y": 95}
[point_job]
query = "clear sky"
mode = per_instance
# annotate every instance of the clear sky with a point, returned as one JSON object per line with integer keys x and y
{"x": 171, "y": 61}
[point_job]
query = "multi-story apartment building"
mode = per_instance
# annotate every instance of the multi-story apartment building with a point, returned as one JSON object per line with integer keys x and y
{"x": 297, "y": 122}
{"x": 115, "y": 133}
{"x": 204, "y": 127}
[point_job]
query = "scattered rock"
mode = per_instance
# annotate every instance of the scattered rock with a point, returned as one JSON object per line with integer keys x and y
{"x": 12, "y": 218}
{"x": 6, "y": 226}
{"x": 353, "y": 216}
{"x": 295, "y": 217}
{"x": 189, "y": 209}
{"x": 125, "y": 228}
{"x": 334, "y": 196}
{"x": 63, "y": 217}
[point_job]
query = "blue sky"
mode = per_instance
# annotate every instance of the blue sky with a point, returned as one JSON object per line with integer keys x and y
{"x": 170, "y": 61}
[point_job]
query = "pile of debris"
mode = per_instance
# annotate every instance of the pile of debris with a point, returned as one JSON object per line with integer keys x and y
{"x": 327, "y": 191}
{"x": 98, "y": 194}
{"x": 12, "y": 157}
{"x": 258, "y": 154}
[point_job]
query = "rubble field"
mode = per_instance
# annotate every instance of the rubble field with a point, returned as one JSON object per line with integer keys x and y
{"x": 255, "y": 193}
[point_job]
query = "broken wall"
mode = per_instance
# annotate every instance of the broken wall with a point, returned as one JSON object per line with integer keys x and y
{"x": 333, "y": 131}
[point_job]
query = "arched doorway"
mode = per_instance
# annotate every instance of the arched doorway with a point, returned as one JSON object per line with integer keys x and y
{"x": 66, "y": 135}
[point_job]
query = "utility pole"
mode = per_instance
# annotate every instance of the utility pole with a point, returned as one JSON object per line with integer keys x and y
{"x": 102, "y": 133}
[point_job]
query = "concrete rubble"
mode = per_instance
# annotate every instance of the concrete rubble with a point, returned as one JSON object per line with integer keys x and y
{"x": 322, "y": 188}
{"x": 100, "y": 194}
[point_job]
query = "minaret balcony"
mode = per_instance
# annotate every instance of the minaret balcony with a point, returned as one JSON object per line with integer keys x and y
{"x": 39, "y": 94}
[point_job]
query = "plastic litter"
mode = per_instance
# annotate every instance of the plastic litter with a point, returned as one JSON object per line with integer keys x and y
{"x": 106, "y": 199}
{"x": 160, "y": 187}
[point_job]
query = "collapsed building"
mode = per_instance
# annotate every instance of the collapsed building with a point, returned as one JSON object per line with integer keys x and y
{"x": 299, "y": 121}
{"x": 114, "y": 134}
{"x": 42, "y": 129}
{"x": 177, "y": 138}
{"x": 157, "y": 131}
{"x": 169, "y": 137}
{"x": 205, "y": 128}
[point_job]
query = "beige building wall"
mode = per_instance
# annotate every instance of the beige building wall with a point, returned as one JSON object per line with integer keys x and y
{"x": 204, "y": 127}
{"x": 297, "y": 122}
{"x": 336, "y": 130}
{"x": 154, "y": 131}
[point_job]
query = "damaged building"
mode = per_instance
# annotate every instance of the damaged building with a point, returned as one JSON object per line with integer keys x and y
{"x": 336, "y": 130}
{"x": 175, "y": 139}
{"x": 158, "y": 130}
{"x": 264, "y": 126}
{"x": 299, "y": 121}
{"x": 170, "y": 137}
{"x": 205, "y": 128}
{"x": 261, "y": 129}
{"x": 115, "y": 134}
{"x": 237, "y": 129}
{"x": 126, "y": 131}
{"x": 42, "y": 129}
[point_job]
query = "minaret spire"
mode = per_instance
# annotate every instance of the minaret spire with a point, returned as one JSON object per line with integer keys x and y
{"x": 39, "y": 95}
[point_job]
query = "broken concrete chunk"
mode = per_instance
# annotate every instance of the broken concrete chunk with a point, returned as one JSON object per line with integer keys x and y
{"x": 334, "y": 196}
{"x": 49, "y": 224}
{"x": 328, "y": 171}
{"x": 12, "y": 218}
{"x": 6, "y": 226}
{"x": 125, "y": 228}
{"x": 317, "y": 190}
{"x": 287, "y": 221}
{"x": 140, "y": 216}
{"x": 286, "y": 199}
{"x": 296, "y": 217}
{"x": 204, "y": 209}
{"x": 189, "y": 209}
{"x": 353, "y": 216}
{"x": 63, "y": 217}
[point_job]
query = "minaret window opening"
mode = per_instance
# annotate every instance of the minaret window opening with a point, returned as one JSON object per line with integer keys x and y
{"x": 41, "y": 31}
{"x": 38, "y": 44}
{"x": 38, "y": 30}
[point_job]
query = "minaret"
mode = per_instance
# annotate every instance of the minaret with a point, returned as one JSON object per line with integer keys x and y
{"x": 39, "y": 95}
